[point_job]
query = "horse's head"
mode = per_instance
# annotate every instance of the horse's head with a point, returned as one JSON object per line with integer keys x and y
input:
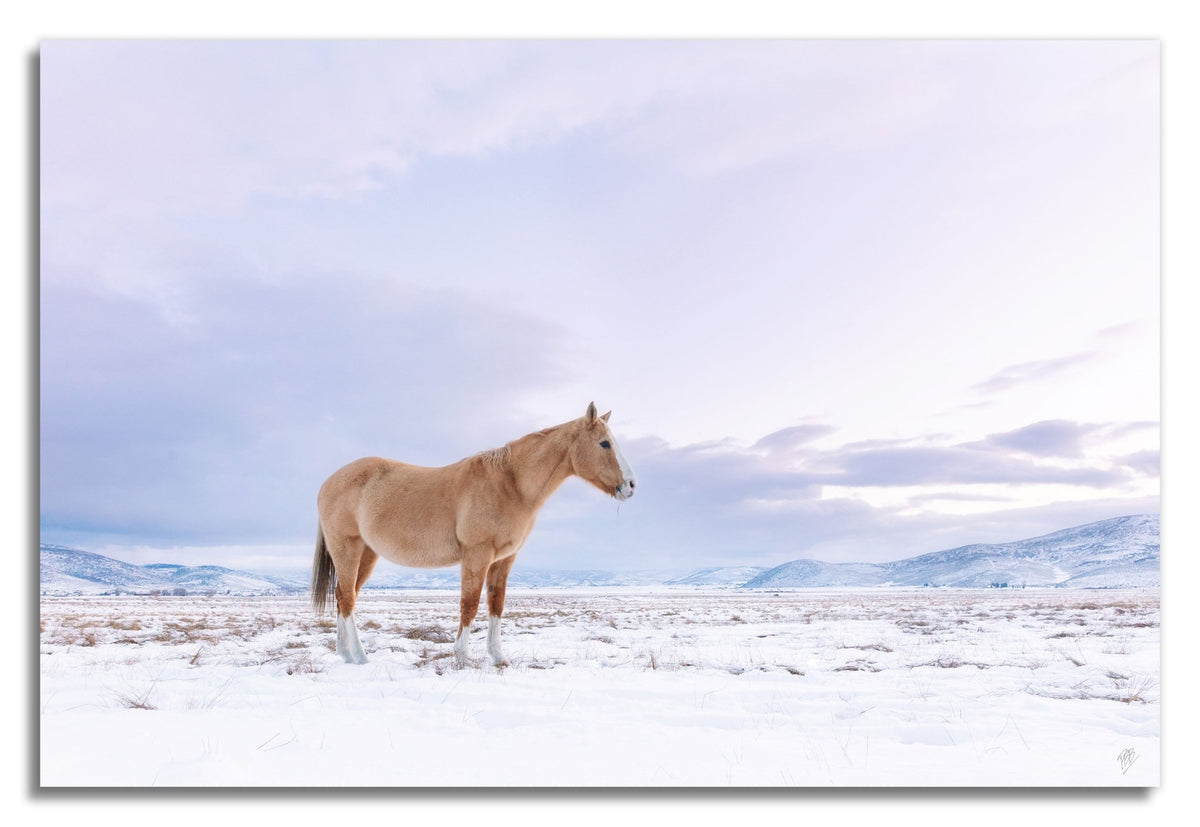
{"x": 596, "y": 458}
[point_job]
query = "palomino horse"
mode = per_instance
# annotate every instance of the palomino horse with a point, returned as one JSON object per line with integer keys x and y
{"x": 476, "y": 513}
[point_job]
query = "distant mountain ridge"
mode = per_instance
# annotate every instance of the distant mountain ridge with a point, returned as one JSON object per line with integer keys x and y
{"x": 718, "y": 576}
{"x": 1122, "y": 552}
{"x": 66, "y": 570}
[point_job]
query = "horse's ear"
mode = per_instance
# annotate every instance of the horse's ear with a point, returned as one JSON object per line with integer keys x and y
{"x": 591, "y": 413}
{"x": 606, "y": 416}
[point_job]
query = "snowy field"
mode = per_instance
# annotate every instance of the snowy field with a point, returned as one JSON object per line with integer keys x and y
{"x": 621, "y": 687}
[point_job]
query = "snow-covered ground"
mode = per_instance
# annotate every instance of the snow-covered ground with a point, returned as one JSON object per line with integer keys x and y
{"x": 617, "y": 687}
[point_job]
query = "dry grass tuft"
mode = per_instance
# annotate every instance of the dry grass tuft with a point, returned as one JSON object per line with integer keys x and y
{"x": 857, "y": 665}
{"x": 1074, "y": 660}
{"x": 431, "y": 634}
{"x": 428, "y": 656}
{"x": 305, "y": 664}
{"x": 873, "y": 647}
{"x": 136, "y": 700}
{"x": 1134, "y": 693}
{"x": 951, "y": 662}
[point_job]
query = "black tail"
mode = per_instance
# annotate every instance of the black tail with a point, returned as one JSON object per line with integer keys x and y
{"x": 324, "y": 578}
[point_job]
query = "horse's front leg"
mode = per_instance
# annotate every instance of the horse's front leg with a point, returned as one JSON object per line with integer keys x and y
{"x": 474, "y": 569}
{"x": 497, "y": 582}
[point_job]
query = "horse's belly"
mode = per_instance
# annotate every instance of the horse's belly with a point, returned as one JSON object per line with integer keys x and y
{"x": 421, "y": 556}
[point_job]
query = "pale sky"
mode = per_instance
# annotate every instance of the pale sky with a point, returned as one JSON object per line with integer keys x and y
{"x": 851, "y": 300}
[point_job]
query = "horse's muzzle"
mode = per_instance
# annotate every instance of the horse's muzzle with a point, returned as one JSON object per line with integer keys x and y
{"x": 625, "y": 490}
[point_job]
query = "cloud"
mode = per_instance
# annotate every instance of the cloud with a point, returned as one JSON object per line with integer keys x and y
{"x": 1052, "y": 438}
{"x": 1047, "y": 369}
{"x": 710, "y": 503}
{"x": 1029, "y": 372}
{"x": 1127, "y": 330}
{"x": 1129, "y": 428}
{"x": 963, "y": 464}
{"x": 1068, "y": 440}
{"x": 788, "y": 439}
{"x": 144, "y": 127}
{"x": 222, "y": 429}
{"x": 1147, "y": 463}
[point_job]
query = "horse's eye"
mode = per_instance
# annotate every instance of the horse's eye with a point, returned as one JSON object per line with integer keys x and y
{"x": 604, "y": 443}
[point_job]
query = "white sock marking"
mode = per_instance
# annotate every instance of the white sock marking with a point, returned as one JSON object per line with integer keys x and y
{"x": 460, "y": 645}
{"x": 494, "y": 639}
{"x": 348, "y": 645}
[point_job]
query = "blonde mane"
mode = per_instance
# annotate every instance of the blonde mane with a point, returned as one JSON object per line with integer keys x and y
{"x": 498, "y": 457}
{"x": 502, "y": 457}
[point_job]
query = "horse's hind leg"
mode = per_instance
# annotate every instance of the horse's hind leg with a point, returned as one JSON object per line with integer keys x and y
{"x": 497, "y": 583}
{"x": 366, "y": 565}
{"x": 348, "y": 563}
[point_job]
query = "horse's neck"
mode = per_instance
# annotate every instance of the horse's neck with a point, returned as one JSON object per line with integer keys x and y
{"x": 540, "y": 463}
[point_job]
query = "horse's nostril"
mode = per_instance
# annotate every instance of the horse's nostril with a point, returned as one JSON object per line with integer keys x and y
{"x": 633, "y": 484}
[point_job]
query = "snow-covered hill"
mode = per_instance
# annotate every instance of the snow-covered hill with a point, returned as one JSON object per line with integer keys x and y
{"x": 73, "y": 571}
{"x": 718, "y": 576}
{"x": 1119, "y": 553}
